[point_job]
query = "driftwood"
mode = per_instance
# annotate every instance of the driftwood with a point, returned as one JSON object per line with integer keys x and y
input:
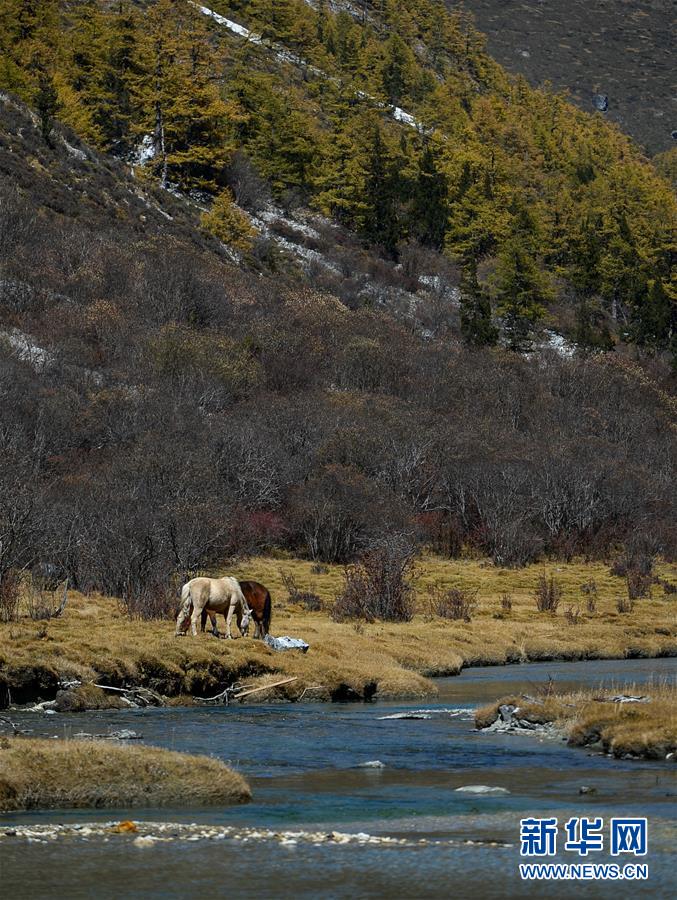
{"x": 145, "y": 695}
{"x": 235, "y": 692}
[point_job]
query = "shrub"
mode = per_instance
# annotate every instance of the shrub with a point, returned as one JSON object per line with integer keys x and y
{"x": 625, "y": 604}
{"x": 44, "y": 603}
{"x": 548, "y": 594}
{"x": 506, "y": 603}
{"x": 572, "y": 614}
{"x": 590, "y": 590}
{"x": 669, "y": 587}
{"x": 454, "y": 603}
{"x": 151, "y": 600}
{"x": 311, "y": 601}
{"x": 638, "y": 561}
{"x": 638, "y": 584}
{"x": 9, "y": 597}
{"x": 379, "y": 586}
{"x": 228, "y": 223}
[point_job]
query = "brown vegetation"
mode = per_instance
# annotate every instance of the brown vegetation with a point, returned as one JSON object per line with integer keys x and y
{"x": 46, "y": 774}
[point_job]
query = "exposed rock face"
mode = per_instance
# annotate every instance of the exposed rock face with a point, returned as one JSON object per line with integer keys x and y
{"x": 622, "y": 48}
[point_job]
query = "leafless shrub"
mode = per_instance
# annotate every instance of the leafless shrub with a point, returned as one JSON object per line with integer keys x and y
{"x": 548, "y": 594}
{"x": 153, "y": 600}
{"x": 506, "y": 603}
{"x": 43, "y": 603}
{"x": 572, "y": 614}
{"x": 638, "y": 584}
{"x": 379, "y": 586}
{"x": 590, "y": 591}
{"x": 625, "y": 604}
{"x": 9, "y": 597}
{"x": 633, "y": 561}
{"x": 308, "y": 599}
{"x": 251, "y": 191}
{"x": 454, "y": 603}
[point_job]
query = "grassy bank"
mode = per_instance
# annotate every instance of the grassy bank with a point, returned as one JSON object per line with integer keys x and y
{"x": 646, "y": 730}
{"x": 46, "y": 774}
{"x": 95, "y": 642}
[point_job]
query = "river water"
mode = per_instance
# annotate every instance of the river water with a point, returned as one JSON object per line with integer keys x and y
{"x": 305, "y": 763}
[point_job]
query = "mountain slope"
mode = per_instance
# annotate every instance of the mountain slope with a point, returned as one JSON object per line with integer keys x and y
{"x": 264, "y": 311}
{"x": 624, "y": 50}
{"x": 395, "y": 123}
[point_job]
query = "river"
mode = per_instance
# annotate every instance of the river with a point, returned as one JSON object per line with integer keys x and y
{"x": 305, "y": 763}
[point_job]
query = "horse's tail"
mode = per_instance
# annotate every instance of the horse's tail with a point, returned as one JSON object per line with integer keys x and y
{"x": 267, "y": 613}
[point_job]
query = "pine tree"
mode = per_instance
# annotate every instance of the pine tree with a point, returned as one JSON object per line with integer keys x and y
{"x": 521, "y": 291}
{"x": 380, "y": 222}
{"x": 430, "y": 206}
{"x": 46, "y": 104}
{"x": 477, "y": 327}
{"x": 397, "y": 71}
{"x": 654, "y": 319}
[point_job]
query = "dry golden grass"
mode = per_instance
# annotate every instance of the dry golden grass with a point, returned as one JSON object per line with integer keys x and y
{"x": 591, "y": 718}
{"x": 46, "y": 774}
{"x": 95, "y": 641}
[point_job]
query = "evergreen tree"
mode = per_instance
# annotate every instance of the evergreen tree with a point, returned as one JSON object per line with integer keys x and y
{"x": 654, "y": 320}
{"x": 46, "y": 104}
{"x": 397, "y": 71}
{"x": 430, "y": 206}
{"x": 521, "y": 292}
{"x": 477, "y": 327}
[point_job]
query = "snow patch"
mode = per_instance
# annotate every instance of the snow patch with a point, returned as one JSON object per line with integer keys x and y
{"x": 145, "y": 151}
{"x": 75, "y": 151}
{"x": 240, "y": 30}
{"x": 27, "y": 350}
{"x": 559, "y": 344}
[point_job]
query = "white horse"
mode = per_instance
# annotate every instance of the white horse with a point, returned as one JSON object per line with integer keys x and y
{"x": 218, "y": 595}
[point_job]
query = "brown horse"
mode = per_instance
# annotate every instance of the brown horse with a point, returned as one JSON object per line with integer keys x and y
{"x": 260, "y": 604}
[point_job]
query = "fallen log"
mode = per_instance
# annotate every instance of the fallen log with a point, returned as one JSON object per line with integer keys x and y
{"x": 264, "y": 687}
{"x": 235, "y": 693}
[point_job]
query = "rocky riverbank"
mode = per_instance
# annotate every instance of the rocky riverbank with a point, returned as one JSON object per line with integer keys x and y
{"x": 639, "y": 725}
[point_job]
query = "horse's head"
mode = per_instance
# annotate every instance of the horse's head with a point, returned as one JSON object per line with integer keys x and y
{"x": 244, "y": 625}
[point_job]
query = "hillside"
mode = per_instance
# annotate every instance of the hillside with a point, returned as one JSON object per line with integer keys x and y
{"x": 619, "y": 48}
{"x": 274, "y": 277}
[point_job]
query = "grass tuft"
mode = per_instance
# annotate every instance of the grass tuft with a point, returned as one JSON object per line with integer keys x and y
{"x": 48, "y": 774}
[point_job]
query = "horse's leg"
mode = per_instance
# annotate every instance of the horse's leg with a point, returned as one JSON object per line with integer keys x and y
{"x": 212, "y": 618}
{"x": 229, "y": 619}
{"x": 199, "y": 604}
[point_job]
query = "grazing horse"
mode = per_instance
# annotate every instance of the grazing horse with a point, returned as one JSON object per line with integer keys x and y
{"x": 258, "y": 599}
{"x": 218, "y": 595}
